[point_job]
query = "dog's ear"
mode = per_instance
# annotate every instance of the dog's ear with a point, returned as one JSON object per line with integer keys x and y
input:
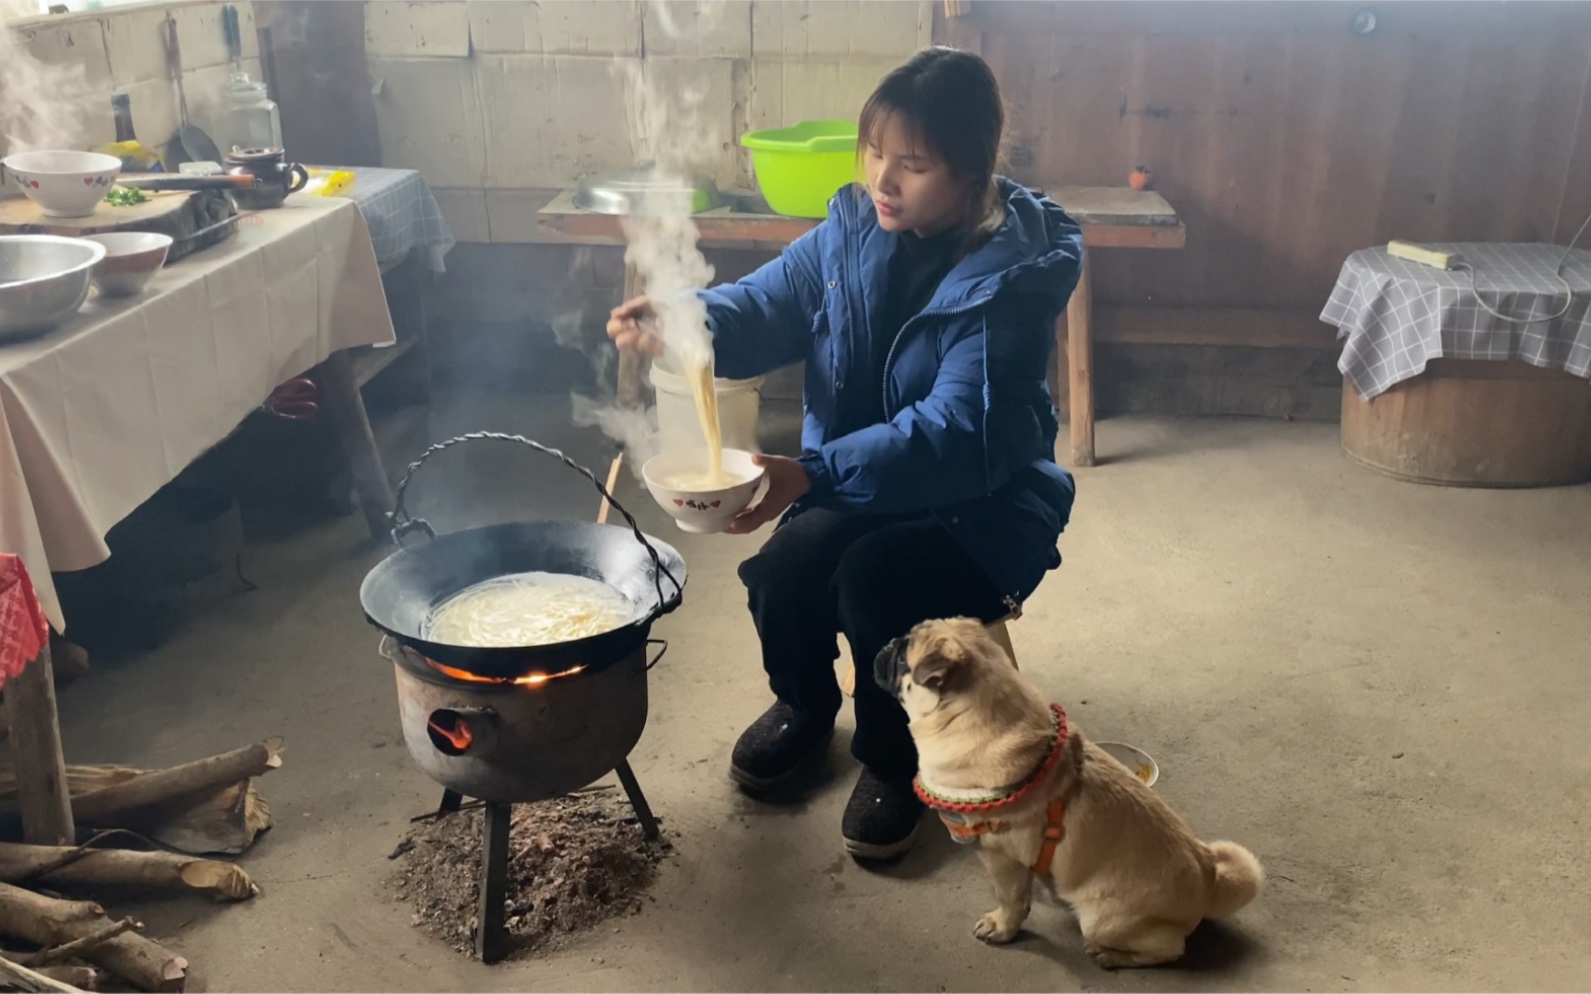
{"x": 940, "y": 658}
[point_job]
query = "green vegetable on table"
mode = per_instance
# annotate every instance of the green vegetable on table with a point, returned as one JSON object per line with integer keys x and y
{"x": 121, "y": 196}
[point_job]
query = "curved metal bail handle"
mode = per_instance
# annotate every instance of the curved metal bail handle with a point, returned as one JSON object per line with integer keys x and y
{"x": 402, "y": 523}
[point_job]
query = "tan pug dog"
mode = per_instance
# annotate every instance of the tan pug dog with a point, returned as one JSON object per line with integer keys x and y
{"x": 1003, "y": 768}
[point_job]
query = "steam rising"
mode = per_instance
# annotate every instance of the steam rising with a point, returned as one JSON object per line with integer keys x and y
{"x": 669, "y": 134}
{"x": 43, "y": 105}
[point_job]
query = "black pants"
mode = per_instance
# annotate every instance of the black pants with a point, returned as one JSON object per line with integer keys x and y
{"x": 872, "y": 578}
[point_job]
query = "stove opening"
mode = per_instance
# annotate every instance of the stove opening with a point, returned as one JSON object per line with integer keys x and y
{"x": 450, "y": 732}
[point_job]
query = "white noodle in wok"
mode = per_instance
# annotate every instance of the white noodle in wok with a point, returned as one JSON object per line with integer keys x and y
{"x": 527, "y": 609}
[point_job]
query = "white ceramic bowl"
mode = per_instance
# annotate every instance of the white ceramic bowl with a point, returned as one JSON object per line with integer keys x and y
{"x": 131, "y": 258}
{"x": 1135, "y": 759}
{"x": 693, "y": 509}
{"x": 64, "y": 184}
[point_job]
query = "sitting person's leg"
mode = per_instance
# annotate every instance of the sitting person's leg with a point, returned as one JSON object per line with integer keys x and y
{"x": 792, "y": 605}
{"x": 886, "y": 583}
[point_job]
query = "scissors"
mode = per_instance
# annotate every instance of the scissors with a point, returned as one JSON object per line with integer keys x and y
{"x": 294, "y": 400}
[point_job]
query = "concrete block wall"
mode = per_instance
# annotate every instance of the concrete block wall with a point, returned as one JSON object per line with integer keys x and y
{"x": 502, "y": 102}
{"x": 122, "y": 50}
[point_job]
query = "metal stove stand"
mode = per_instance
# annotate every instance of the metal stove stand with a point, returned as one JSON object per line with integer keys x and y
{"x": 491, "y": 934}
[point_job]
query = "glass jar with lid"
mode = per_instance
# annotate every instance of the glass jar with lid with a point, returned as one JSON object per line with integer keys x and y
{"x": 250, "y": 119}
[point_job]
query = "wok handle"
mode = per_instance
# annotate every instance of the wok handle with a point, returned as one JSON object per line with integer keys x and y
{"x": 662, "y": 648}
{"x": 402, "y": 523}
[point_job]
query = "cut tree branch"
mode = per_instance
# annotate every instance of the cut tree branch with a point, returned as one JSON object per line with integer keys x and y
{"x": 16, "y": 975}
{"x": 84, "y": 978}
{"x": 47, "y": 921}
{"x": 77, "y": 947}
{"x": 24, "y": 864}
{"x": 177, "y": 783}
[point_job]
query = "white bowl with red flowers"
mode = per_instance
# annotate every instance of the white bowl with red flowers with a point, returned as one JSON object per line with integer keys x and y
{"x": 679, "y": 482}
{"x": 63, "y": 183}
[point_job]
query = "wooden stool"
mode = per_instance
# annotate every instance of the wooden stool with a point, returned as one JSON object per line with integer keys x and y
{"x": 996, "y": 629}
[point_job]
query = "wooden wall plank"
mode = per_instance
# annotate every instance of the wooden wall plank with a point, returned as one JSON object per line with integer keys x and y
{"x": 1286, "y": 141}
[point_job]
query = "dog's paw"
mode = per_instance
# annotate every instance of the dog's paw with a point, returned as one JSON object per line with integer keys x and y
{"x": 1106, "y": 958}
{"x": 993, "y": 929}
{"x": 1123, "y": 959}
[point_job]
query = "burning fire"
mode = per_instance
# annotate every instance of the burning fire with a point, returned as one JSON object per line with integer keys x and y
{"x": 527, "y": 680}
{"x": 460, "y": 737}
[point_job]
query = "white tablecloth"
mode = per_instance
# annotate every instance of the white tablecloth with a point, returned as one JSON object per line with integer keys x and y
{"x": 102, "y": 412}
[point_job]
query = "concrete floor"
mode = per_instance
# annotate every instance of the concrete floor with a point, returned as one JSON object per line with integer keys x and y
{"x": 1380, "y": 688}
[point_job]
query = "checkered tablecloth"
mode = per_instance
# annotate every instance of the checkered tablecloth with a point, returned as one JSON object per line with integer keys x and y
{"x": 1397, "y": 315}
{"x": 401, "y": 214}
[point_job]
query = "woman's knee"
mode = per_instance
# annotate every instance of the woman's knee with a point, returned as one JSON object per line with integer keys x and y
{"x": 787, "y": 565}
{"x": 866, "y": 584}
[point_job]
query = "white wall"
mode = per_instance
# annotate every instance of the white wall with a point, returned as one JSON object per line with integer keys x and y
{"x": 501, "y": 102}
{"x": 122, "y": 50}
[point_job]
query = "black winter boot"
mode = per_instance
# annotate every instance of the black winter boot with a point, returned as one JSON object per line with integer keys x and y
{"x": 776, "y": 747}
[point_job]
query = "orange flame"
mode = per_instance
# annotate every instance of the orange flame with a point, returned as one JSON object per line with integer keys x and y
{"x": 460, "y": 737}
{"x": 527, "y": 680}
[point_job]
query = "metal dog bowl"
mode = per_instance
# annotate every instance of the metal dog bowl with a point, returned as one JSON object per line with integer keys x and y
{"x": 43, "y": 280}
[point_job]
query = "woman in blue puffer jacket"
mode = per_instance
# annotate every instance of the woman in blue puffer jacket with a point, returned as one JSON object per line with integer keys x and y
{"x": 927, "y": 486}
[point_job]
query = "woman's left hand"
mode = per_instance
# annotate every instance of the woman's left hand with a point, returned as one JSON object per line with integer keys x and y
{"x": 787, "y": 483}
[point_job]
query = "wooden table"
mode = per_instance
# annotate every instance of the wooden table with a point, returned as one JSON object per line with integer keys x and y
{"x": 1111, "y": 218}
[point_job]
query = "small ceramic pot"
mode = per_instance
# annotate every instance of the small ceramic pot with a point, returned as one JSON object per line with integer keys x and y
{"x": 277, "y": 177}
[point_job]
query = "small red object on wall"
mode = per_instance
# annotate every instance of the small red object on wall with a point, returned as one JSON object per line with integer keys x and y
{"x": 1141, "y": 179}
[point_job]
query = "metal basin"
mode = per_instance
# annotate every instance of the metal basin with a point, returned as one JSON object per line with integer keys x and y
{"x": 43, "y": 280}
{"x": 647, "y": 192}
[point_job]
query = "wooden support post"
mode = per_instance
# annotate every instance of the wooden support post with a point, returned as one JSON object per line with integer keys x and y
{"x": 1080, "y": 367}
{"x": 347, "y": 408}
{"x": 36, "y": 747}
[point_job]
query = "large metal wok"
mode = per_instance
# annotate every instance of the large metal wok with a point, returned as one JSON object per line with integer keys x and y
{"x": 400, "y": 593}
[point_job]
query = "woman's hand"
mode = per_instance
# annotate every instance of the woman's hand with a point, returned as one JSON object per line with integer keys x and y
{"x": 787, "y": 483}
{"x": 627, "y": 327}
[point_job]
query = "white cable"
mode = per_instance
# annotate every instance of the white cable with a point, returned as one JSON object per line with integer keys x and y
{"x": 1558, "y": 272}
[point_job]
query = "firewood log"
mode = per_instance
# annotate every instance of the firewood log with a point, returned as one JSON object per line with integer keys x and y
{"x": 77, "y": 947}
{"x": 179, "y": 783}
{"x": 83, "y": 978}
{"x": 225, "y": 821}
{"x": 52, "y": 979}
{"x": 48, "y": 921}
{"x": 20, "y": 864}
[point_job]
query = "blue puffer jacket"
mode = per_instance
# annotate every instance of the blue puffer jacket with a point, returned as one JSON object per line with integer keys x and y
{"x": 967, "y": 431}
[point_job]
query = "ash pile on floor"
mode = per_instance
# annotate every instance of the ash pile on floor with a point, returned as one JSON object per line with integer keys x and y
{"x": 573, "y": 863}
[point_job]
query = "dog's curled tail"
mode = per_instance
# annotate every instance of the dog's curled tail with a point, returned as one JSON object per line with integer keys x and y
{"x": 1235, "y": 879}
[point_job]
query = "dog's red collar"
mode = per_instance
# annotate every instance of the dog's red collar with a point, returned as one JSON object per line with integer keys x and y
{"x": 954, "y": 811}
{"x": 995, "y": 801}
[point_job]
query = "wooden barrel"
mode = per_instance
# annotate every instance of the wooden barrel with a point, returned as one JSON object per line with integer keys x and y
{"x": 1475, "y": 423}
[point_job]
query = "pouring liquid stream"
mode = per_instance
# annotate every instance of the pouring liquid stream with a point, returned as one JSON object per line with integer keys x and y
{"x": 705, "y": 393}
{"x": 698, "y": 374}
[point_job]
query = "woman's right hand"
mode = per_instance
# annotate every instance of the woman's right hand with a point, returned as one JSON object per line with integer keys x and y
{"x": 627, "y": 326}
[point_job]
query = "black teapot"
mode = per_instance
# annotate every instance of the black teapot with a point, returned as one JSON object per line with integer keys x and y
{"x": 275, "y": 176}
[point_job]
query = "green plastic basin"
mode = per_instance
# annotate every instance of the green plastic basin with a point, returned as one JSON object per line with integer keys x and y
{"x": 799, "y": 168}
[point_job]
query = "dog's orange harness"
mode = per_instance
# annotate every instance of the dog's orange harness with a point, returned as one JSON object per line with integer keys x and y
{"x": 961, "y": 815}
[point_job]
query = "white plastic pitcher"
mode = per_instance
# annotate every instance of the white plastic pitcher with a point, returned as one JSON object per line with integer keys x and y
{"x": 739, "y": 402}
